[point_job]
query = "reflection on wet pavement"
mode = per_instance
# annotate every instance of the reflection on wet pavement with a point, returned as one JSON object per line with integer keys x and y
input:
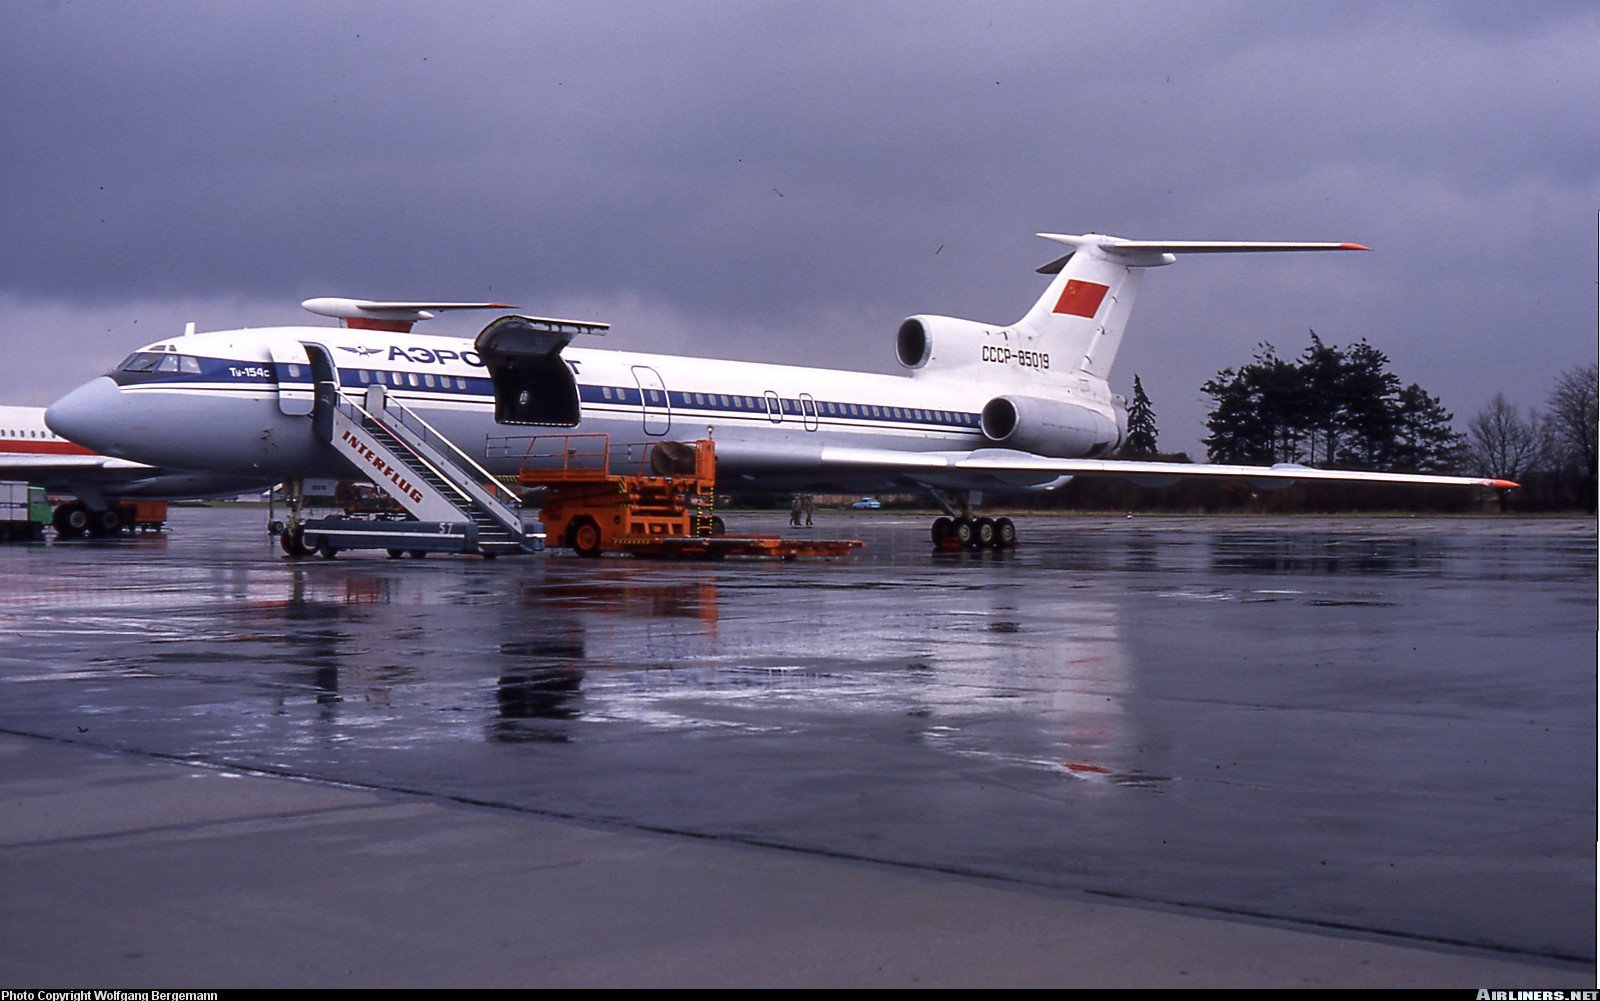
{"x": 1378, "y": 725}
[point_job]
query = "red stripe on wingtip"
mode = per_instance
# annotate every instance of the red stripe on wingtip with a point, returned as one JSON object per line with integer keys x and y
{"x": 1352, "y": 246}
{"x": 1504, "y": 484}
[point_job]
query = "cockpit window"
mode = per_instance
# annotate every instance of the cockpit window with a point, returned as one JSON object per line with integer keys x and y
{"x": 160, "y": 361}
{"x": 143, "y": 361}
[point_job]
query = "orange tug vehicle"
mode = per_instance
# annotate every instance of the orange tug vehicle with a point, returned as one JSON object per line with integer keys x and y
{"x": 666, "y": 510}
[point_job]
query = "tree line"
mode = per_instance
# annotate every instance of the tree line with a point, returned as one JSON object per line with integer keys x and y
{"x": 1342, "y": 407}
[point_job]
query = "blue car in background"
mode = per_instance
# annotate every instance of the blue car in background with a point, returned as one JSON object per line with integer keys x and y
{"x": 867, "y": 504}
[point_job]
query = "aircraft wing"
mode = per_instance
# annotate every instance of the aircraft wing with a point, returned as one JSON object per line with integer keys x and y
{"x": 1010, "y": 467}
{"x": 35, "y": 465}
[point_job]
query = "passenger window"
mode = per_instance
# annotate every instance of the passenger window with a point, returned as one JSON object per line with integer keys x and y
{"x": 412, "y": 376}
{"x": 429, "y": 380}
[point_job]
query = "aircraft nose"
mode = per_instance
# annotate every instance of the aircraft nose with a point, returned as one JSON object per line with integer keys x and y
{"x": 88, "y": 415}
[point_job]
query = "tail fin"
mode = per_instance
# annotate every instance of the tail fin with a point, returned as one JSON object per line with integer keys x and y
{"x": 1084, "y": 311}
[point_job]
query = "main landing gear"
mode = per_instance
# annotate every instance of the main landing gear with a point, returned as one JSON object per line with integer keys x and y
{"x": 961, "y": 529}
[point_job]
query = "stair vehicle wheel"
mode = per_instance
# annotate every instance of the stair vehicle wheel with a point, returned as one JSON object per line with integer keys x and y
{"x": 584, "y": 536}
{"x": 327, "y": 550}
{"x": 941, "y": 530}
{"x": 718, "y": 526}
{"x": 395, "y": 554}
{"x": 418, "y": 554}
{"x": 1005, "y": 533}
{"x": 983, "y": 533}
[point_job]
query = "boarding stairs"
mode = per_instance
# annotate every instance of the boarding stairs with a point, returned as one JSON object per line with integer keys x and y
{"x": 457, "y": 505}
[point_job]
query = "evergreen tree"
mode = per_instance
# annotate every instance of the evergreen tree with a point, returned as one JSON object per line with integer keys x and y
{"x": 1142, "y": 430}
{"x": 1235, "y": 421}
{"x": 1367, "y": 408}
{"x": 1425, "y": 441}
{"x": 1260, "y": 411}
{"x": 1322, "y": 372}
{"x": 1331, "y": 405}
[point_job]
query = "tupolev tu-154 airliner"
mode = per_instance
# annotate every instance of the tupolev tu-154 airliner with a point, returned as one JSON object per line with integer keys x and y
{"x": 978, "y": 406}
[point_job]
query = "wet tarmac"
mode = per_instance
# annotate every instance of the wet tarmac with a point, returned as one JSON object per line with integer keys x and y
{"x": 1380, "y": 728}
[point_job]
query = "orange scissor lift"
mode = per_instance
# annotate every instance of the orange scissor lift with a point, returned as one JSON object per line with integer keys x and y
{"x": 664, "y": 510}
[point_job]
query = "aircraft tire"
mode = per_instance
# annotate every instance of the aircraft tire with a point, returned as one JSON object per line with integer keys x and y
{"x": 71, "y": 520}
{"x": 1005, "y": 533}
{"x": 941, "y": 530}
{"x": 103, "y": 523}
{"x": 293, "y": 542}
{"x": 962, "y": 530}
{"x": 584, "y": 537}
{"x": 983, "y": 536}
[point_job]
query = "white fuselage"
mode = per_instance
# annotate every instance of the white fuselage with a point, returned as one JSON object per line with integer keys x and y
{"x": 220, "y": 406}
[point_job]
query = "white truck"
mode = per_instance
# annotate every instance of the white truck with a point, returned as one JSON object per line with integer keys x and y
{"x": 24, "y": 511}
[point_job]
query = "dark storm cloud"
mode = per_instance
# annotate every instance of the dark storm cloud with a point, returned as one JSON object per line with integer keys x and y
{"x": 787, "y": 181}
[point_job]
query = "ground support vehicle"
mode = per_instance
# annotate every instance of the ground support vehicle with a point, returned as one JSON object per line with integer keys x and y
{"x": 663, "y": 510}
{"x": 24, "y": 511}
{"x": 74, "y": 518}
{"x": 399, "y": 536}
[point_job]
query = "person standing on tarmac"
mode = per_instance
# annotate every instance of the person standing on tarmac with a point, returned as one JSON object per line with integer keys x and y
{"x": 794, "y": 512}
{"x": 809, "y": 504}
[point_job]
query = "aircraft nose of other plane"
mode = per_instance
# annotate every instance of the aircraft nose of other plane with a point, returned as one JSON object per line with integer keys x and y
{"x": 88, "y": 415}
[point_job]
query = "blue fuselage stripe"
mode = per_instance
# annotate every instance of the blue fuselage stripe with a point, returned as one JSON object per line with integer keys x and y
{"x": 480, "y": 390}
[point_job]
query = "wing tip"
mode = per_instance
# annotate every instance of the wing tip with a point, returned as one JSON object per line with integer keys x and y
{"x": 1353, "y": 246}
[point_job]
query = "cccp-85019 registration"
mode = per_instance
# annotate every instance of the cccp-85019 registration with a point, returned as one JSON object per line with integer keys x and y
{"x": 1006, "y": 356}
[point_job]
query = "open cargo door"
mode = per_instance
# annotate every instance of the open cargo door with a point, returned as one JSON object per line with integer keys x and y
{"x": 533, "y": 384}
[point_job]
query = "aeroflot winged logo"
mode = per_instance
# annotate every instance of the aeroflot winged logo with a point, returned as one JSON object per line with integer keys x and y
{"x": 363, "y": 350}
{"x": 1081, "y": 298}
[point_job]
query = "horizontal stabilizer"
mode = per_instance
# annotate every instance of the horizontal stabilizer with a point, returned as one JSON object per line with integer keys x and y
{"x": 1153, "y": 253}
{"x": 366, "y": 314}
{"x": 1215, "y": 247}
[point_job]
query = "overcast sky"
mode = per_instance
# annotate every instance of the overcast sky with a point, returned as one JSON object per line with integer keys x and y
{"x": 787, "y": 181}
